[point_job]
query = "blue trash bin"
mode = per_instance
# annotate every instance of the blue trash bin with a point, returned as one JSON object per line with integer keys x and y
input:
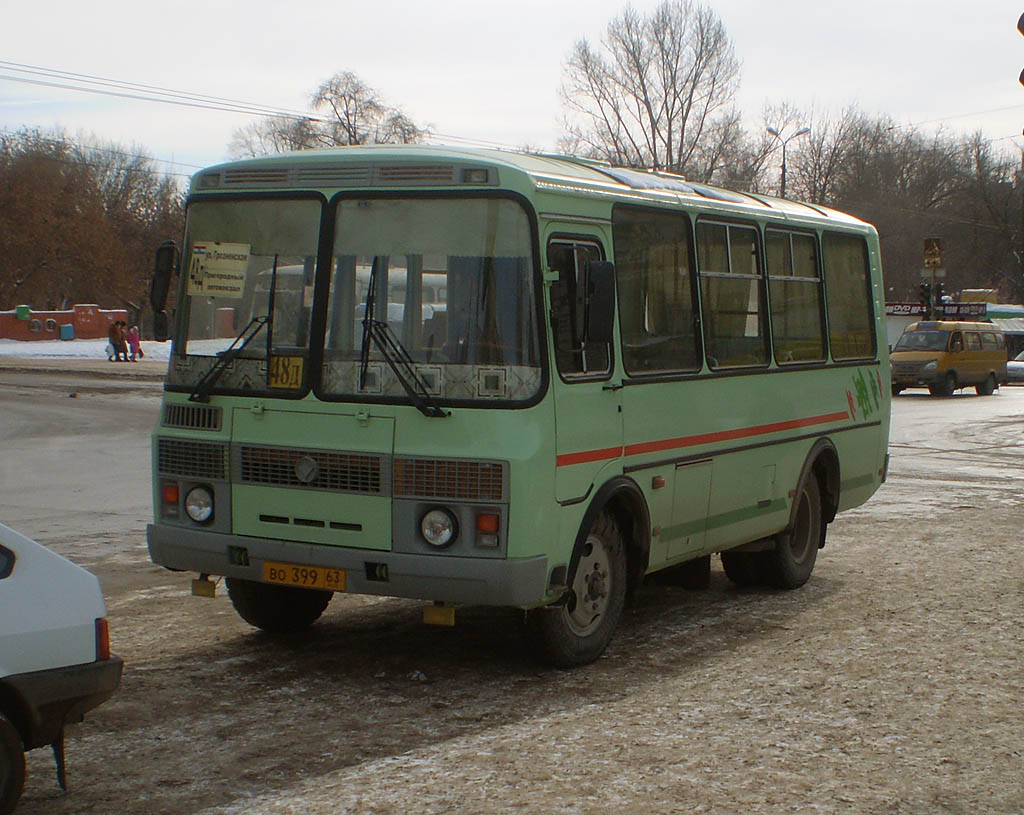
{"x": 67, "y": 331}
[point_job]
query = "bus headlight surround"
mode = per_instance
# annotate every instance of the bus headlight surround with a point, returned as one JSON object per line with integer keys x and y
{"x": 199, "y": 504}
{"x": 439, "y": 527}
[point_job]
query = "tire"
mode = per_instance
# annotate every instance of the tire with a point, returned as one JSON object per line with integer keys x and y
{"x": 790, "y": 563}
{"x": 896, "y": 390}
{"x": 277, "y": 609}
{"x": 988, "y": 387}
{"x": 577, "y": 630}
{"x": 744, "y": 568}
{"x": 12, "y": 766}
{"x": 947, "y": 386}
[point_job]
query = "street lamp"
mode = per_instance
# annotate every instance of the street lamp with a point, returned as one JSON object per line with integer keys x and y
{"x": 802, "y": 131}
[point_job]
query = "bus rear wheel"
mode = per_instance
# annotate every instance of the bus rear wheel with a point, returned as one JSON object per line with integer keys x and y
{"x": 277, "y": 609}
{"x": 577, "y": 630}
{"x": 988, "y": 387}
{"x": 790, "y": 563}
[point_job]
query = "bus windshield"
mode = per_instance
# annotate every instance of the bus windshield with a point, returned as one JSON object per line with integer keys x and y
{"x": 453, "y": 284}
{"x": 923, "y": 341}
{"x": 249, "y": 268}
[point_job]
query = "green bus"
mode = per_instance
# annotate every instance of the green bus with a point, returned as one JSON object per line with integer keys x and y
{"x": 483, "y": 377}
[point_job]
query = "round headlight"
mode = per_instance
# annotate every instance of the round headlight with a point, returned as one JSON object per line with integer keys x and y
{"x": 199, "y": 504}
{"x": 439, "y": 527}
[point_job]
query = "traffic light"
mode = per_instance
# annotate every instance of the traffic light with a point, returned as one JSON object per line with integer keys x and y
{"x": 926, "y": 295}
{"x": 1020, "y": 28}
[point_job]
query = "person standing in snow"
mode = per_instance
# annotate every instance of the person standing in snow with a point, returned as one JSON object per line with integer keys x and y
{"x": 135, "y": 344}
{"x": 112, "y": 334}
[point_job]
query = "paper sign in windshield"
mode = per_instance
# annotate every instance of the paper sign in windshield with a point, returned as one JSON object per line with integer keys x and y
{"x": 218, "y": 269}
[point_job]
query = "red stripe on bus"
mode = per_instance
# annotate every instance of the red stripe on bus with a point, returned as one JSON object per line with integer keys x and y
{"x": 588, "y": 455}
{"x": 700, "y": 438}
{"x": 727, "y": 435}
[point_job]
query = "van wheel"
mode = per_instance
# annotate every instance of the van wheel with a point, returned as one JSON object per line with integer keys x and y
{"x": 947, "y": 386}
{"x": 12, "y": 766}
{"x": 988, "y": 387}
{"x": 577, "y": 630}
{"x": 790, "y": 563}
{"x": 277, "y": 609}
{"x": 896, "y": 390}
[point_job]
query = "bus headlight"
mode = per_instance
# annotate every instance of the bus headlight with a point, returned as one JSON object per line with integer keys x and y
{"x": 439, "y": 527}
{"x": 930, "y": 367}
{"x": 199, "y": 504}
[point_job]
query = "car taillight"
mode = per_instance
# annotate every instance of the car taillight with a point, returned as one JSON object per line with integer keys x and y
{"x": 102, "y": 639}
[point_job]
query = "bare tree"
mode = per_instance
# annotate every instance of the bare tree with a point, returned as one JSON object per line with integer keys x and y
{"x": 79, "y": 221}
{"x": 657, "y": 93}
{"x": 345, "y": 111}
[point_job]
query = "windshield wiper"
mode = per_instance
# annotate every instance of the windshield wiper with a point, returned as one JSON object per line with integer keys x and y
{"x": 394, "y": 353}
{"x": 399, "y": 360}
{"x": 201, "y": 392}
{"x": 364, "y": 348}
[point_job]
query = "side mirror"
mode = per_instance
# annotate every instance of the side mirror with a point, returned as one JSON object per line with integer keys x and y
{"x": 164, "y": 266}
{"x": 600, "y": 302}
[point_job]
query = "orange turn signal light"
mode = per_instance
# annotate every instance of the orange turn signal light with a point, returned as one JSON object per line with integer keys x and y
{"x": 487, "y": 523}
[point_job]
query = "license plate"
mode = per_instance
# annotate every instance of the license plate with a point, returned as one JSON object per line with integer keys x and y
{"x": 309, "y": 577}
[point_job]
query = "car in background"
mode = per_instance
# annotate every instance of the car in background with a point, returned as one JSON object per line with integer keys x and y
{"x": 945, "y": 356}
{"x": 55, "y": 660}
{"x": 1015, "y": 368}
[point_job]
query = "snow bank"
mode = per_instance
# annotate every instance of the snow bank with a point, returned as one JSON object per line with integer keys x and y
{"x": 75, "y": 349}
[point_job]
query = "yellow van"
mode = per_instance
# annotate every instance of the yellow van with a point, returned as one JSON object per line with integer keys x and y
{"x": 946, "y": 356}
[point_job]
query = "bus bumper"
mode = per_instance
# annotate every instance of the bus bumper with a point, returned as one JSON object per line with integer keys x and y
{"x": 435, "y": 577}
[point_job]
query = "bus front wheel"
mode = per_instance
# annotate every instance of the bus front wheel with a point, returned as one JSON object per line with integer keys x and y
{"x": 790, "y": 563}
{"x": 577, "y": 630}
{"x": 277, "y": 609}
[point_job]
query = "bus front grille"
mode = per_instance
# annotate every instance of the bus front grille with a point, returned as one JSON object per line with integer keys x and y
{"x": 192, "y": 459}
{"x": 448, "y": 478}
{"x": 310, "y": 469}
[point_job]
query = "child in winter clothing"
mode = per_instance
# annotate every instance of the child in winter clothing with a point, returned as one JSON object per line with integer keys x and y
{"x": 135, "y": 343}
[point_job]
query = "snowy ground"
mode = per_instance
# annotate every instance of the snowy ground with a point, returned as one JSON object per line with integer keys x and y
{"x": 75, "y": 349}
{"x": 889, "y": 685}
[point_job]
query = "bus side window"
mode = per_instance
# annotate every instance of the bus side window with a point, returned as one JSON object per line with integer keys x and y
{"x": 956, "y": 342}
{"x": 733, "y": 295}
{"x": 851, "y": 326}
{"x": 656, "y": 288}
{"x": 573, "y": 356}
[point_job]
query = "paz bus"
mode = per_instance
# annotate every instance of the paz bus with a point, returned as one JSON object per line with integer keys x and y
{"x": 479, "y": 377}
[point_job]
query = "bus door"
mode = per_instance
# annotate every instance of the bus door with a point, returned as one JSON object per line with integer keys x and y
{"x": 588, "y": 404}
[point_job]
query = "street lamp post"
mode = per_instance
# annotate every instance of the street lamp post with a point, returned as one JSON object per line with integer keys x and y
{"x": 801, "y": 132}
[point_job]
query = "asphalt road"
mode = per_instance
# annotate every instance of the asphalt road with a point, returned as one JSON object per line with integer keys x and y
{"x": 891, "y": 683}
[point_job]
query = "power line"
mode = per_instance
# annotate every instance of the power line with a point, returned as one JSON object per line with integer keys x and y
{"x": 89, "y": 83}
{"x": 965, "y": 115}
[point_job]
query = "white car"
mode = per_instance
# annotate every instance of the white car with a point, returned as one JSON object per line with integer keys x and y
{"x": 1015, "y": 368}
{"x": 55, "y": 660}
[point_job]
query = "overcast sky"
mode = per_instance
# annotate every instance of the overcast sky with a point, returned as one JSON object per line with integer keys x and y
{"x": 489, "y": 71}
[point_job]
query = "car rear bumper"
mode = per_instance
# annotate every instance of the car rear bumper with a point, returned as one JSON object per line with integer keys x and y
{"x": 60, "y": 696}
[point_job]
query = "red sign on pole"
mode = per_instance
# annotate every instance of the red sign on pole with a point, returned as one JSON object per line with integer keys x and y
{"x": 932, "y": 253}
